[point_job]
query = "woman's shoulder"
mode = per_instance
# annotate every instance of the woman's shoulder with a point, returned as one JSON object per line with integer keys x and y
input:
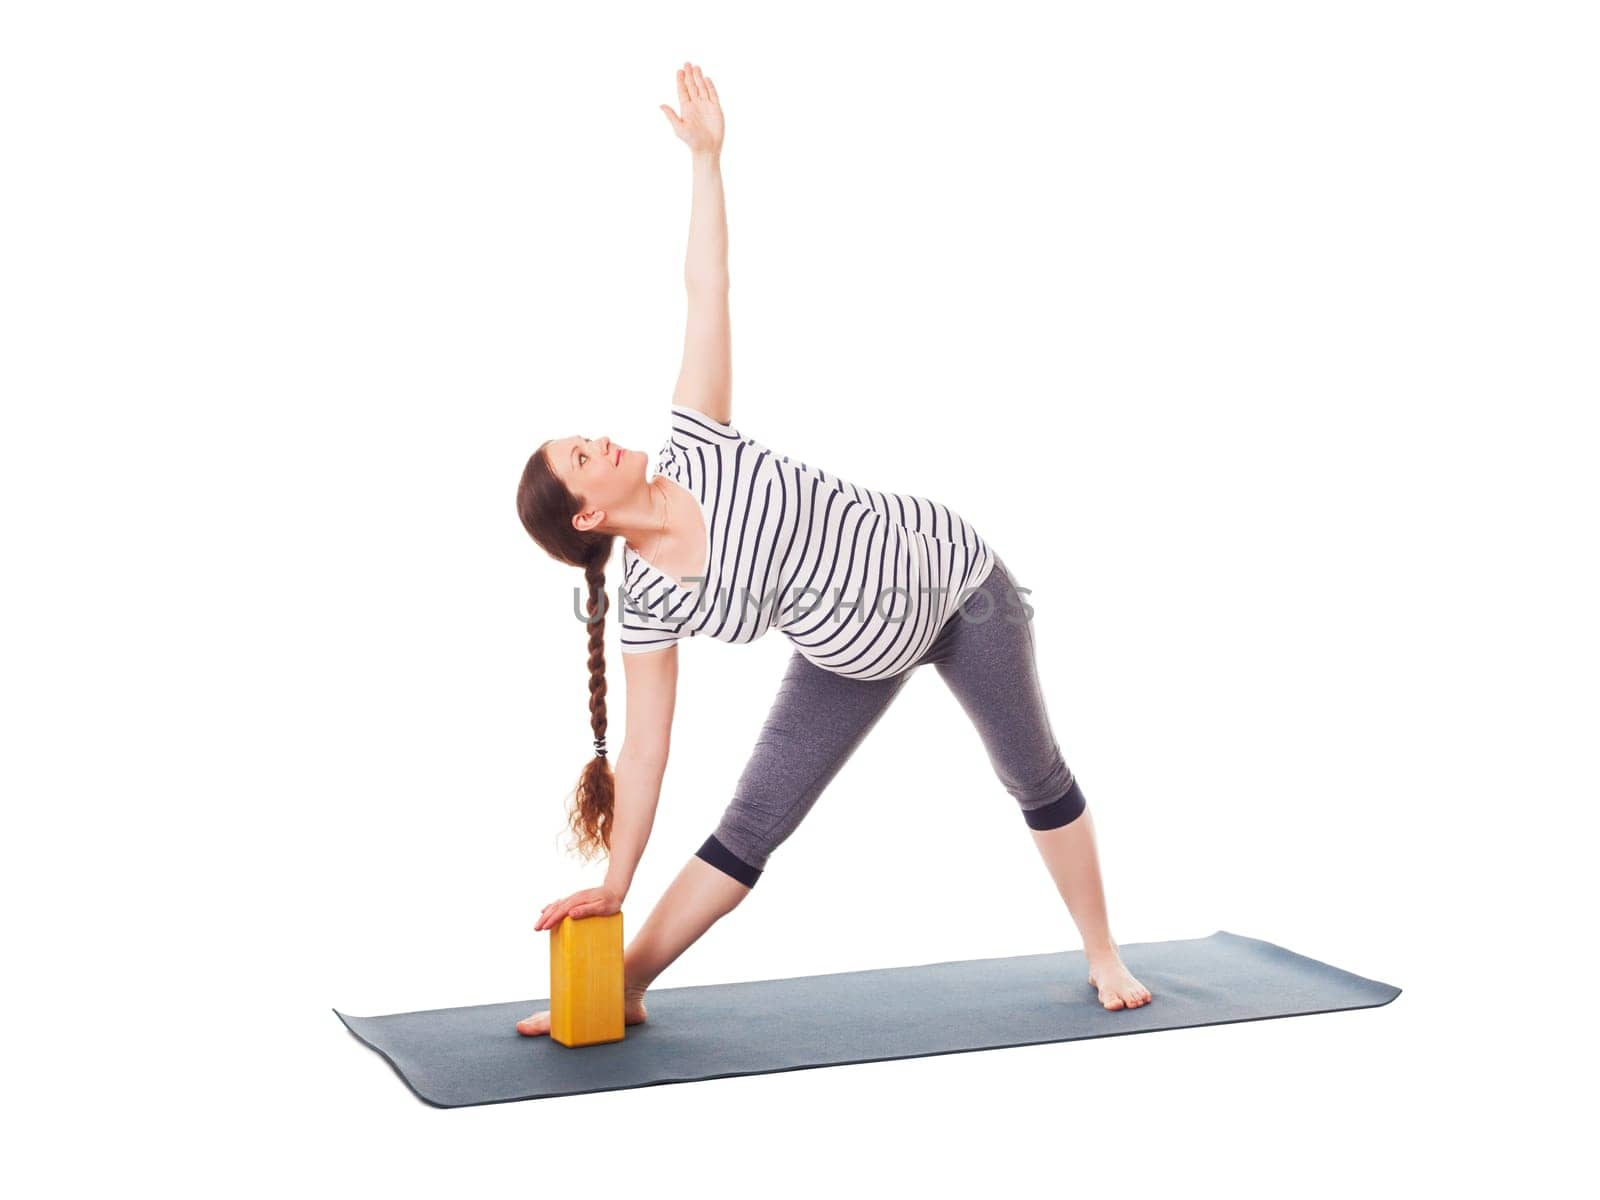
{"x": 697, "y": 426}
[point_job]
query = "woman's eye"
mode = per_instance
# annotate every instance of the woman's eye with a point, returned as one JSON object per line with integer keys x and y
{"x": 582, "y": 458}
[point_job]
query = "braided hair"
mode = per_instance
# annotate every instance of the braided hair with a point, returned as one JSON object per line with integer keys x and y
{"x": 546, "y": 507}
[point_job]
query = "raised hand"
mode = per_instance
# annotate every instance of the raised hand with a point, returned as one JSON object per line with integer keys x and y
{"x": 700, "y": 122}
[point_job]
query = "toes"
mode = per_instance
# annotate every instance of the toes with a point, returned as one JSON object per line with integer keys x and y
{"x": 1123, "y": 991}
{"x": 1133, "y": 998}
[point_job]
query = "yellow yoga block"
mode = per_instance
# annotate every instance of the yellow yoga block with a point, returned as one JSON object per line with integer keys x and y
{"x": 586, "y": 980}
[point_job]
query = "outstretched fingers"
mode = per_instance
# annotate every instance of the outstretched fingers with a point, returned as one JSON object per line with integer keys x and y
{"x": 693, "y": 81}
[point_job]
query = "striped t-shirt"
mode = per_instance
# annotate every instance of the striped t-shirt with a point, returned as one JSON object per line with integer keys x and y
{"x": 861, "y": 581}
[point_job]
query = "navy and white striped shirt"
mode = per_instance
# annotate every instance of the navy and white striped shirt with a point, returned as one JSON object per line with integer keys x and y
{"x": 861, "y": 581}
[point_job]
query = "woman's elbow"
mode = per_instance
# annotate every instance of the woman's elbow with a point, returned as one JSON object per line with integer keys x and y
{"x": 647, "y": 754}
{"x": 705, "y": 282}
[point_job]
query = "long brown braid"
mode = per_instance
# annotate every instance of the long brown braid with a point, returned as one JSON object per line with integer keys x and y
{"x": 546, "y": 507}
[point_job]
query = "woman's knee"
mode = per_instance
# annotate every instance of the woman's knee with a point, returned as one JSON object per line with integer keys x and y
{"x": 720, "y": 856}
{"x": 1053, "y": 814}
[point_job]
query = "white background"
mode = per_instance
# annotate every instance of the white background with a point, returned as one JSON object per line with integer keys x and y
{"x": 1258, "y": 338}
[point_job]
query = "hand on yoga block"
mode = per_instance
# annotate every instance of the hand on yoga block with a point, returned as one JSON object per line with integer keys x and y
{"x": 591, "y": 902}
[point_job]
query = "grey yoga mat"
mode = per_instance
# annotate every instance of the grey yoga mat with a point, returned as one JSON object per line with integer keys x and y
{"x": 452, "y": 1057}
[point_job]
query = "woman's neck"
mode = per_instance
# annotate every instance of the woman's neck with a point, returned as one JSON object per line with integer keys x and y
{"x": 654, "y": 527}
{"x": 678, "y": 547}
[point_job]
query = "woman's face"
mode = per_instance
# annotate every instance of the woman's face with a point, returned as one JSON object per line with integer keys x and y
{"x": 603, "y": 474}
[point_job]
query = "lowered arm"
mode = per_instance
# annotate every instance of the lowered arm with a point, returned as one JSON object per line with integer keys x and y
{"x": 652, "y": 683}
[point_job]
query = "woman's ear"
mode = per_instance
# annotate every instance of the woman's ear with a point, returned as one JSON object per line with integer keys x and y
{"x": 587, "y": 520}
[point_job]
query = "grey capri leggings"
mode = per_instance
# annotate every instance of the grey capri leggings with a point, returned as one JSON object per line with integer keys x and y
{"x": 819, "y": 718}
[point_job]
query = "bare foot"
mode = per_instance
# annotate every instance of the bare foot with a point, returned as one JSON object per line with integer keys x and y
{"x": 1116, "y": 984}
{"x": 632, "y": 1014}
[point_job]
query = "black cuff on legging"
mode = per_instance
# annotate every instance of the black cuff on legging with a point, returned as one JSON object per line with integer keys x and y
{"x": 724, "y": 860}
{"x": 1058, "y": 812}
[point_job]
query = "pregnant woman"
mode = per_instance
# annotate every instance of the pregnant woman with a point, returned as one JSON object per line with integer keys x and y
{"x": 729, "y": 539}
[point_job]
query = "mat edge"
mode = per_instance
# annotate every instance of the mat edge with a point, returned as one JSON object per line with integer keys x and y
{"x": 404, "y": 1078}
{"x": 1241, "y": 937}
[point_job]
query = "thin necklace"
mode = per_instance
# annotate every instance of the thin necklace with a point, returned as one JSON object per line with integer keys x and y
{"x": 665, "y": 509}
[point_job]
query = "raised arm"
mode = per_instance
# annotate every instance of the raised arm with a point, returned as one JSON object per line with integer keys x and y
{"x": 705, "y": 381}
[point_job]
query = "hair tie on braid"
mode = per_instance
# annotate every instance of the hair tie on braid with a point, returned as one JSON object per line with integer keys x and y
{"x": 600, "y": 746}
